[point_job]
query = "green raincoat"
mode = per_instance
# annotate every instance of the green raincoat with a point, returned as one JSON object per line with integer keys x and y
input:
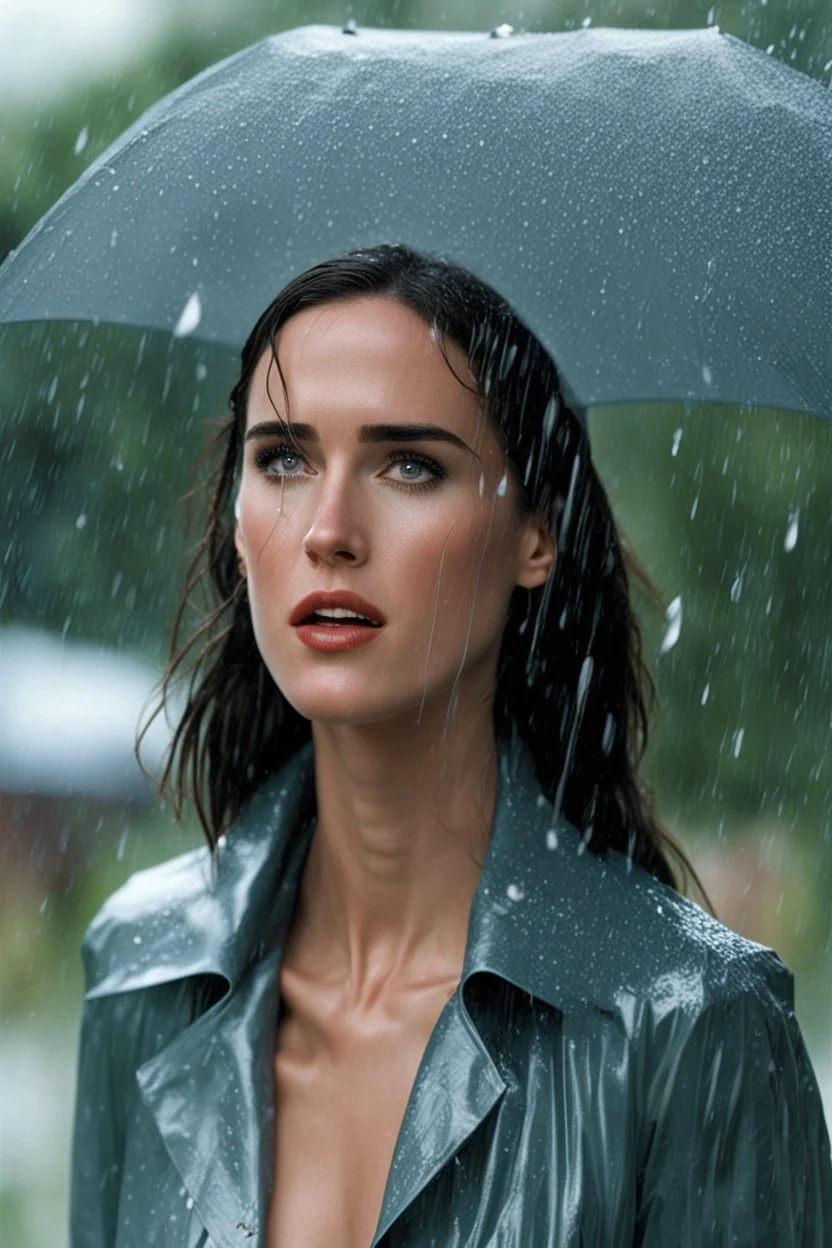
{"x": 615, "y": 1067}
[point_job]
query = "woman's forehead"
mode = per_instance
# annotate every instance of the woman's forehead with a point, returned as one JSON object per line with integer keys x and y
{"x": 371, "y": 351}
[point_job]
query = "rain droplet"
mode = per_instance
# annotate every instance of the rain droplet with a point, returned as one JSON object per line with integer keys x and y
{"x": 201, "y": 371}
{"x": 707, "y": 375}
{"x": 82, "y": 140}
{"x": 81, "y": 522}
{"x": 677, "y": 438}
{"x": 551, "y": 839}
{"x": 673, "y": 625}
{"x": 137, "y": 940}
{"x": 738, "y": 739}
{"x": 503, "y": 485}
{"x": 515, "y": 893}
{"x": 706, "y": 693}
{"x": 114, "y": 238}
{"x": 736, "y": 588}
{"x": 190, "y": 317}
{"x": 502, "y": 32}
{"x": 790, "y": 540}
{"x": 586, "y": 23}
{"x": 609, "y": 734}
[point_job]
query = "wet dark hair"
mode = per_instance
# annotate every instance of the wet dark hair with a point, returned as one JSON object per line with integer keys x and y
{"x": 571, "y": 678}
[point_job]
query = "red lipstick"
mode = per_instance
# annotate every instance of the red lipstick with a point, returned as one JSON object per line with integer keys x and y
{"x": 336, "y": 620}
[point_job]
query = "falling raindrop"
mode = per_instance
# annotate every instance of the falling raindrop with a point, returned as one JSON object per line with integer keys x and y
{"x": 677, "y": 438}
{"x": 82, "y": 140}
{"x": 673, "y": 625}
{"x": 609, "y": 734}
{"x": 190, "y": 317}
{"x": 706, "y": 693}
{"x": 738, "y": 740}
{"x": 736, "y": 588}
{"x": 790, "y": 540}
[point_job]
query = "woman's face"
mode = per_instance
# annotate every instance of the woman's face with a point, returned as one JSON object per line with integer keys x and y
{"x": 395, "y": 489}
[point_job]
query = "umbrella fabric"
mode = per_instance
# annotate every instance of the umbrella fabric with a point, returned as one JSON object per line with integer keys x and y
{"x": 656, "y": 206}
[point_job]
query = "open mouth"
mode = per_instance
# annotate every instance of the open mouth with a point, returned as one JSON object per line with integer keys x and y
{"x": 339, "y": 618}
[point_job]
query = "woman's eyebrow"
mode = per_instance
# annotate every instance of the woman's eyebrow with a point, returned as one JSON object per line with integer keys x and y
{"x": 367, "y": 433}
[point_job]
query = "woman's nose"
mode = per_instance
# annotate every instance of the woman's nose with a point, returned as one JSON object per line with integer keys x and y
{"x": 337, "y": 533}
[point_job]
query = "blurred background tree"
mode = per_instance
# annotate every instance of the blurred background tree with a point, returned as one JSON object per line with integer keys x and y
{"x": 728, "y": 510}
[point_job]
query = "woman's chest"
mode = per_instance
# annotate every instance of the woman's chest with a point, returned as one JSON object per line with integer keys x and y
{"x": 339, "y": 1106}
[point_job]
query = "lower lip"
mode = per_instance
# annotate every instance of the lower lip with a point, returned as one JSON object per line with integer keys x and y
{"x": 334, "y": 637}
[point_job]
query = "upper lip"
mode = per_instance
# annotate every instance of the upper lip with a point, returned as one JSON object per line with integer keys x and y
{"x": 335, "y": 598}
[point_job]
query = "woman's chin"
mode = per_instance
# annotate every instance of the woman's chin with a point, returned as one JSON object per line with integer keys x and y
{"x": 351, "y": 708}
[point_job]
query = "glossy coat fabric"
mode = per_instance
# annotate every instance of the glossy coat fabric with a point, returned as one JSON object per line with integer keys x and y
{"x": 615, "y": 1068}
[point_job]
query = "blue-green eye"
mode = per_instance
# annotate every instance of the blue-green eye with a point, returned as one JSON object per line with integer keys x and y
{"x": 279, "y": 461}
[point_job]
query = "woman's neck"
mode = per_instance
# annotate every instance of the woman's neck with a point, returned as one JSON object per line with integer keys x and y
{"x": 402, "y": 831}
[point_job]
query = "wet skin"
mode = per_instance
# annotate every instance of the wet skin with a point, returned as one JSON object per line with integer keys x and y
{"x": 427, "y": 530}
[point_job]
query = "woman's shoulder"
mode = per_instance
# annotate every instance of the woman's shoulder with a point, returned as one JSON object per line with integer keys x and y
{"x": 136, "y": 938}
{"x": 689, "y": 959}
{"x": 602, "y": 931}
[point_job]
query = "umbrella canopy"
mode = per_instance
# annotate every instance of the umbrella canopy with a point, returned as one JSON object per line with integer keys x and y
{"x": 656, "y": 206}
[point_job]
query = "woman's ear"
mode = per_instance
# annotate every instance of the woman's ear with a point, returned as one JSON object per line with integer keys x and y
{"x": 538, "y": 553}
{"x": 238, "y": 542}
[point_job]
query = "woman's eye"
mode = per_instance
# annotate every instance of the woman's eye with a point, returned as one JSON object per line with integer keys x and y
{"x": 416, "y": 470}
{"x": 279, "y": 461}
{"x": 412, "y": 470}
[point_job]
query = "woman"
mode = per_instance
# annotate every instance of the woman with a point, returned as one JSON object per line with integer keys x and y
{"x": 434, "y": 983}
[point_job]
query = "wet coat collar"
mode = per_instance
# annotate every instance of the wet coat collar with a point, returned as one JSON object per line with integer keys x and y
{"x": 559, "y": 923}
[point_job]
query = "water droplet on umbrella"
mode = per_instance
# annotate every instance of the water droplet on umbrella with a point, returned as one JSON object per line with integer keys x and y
{"x": 515, "y": 893}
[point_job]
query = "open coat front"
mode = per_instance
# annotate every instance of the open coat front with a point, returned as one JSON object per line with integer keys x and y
{"x": 615, "y": 1067}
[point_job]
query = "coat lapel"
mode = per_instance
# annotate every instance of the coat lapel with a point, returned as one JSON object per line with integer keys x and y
{"x": 456, "y": 1087}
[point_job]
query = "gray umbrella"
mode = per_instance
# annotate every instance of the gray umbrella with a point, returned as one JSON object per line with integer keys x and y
{"x": 656, "y": 206}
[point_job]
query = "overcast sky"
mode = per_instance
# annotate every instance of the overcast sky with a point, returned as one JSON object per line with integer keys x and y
{"x": 46, "y": 44}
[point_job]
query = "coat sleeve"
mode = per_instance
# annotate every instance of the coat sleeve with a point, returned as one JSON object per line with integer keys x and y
{"x": 100, "y": 1125}
{"x": 739, "y": 1151}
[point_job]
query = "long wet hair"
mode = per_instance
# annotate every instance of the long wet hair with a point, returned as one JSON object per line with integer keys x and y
{"x": 571, "y": 678}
